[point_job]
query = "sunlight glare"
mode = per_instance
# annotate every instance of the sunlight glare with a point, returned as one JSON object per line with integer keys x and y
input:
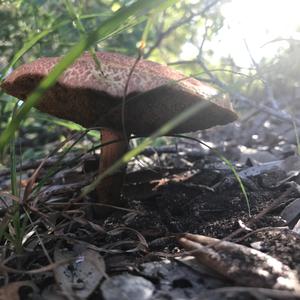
{"x": 188, "y": 51}
{"x": 258, "y": 22}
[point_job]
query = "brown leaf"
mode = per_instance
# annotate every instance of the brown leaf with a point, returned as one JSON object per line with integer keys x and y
{"x": 244, "y": 265}
{"x": 79, "y": 278}
{"x": 11, "y": 291}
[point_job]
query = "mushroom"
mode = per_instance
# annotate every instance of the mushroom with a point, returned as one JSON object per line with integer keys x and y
{"x": 93, "y": 98}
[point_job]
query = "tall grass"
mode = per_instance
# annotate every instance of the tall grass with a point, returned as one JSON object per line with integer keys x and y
{"x": 17, "y": 228}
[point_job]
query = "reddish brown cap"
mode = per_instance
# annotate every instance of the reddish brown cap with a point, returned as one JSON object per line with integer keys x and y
{"x": 155, "y": 94}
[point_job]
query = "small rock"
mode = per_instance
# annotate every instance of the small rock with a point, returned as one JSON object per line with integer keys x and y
{"x": 291, "y": 213}
{"x": 127, "y": 287}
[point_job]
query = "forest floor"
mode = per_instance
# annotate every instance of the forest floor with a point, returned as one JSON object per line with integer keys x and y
{"x": 170, "y": 190}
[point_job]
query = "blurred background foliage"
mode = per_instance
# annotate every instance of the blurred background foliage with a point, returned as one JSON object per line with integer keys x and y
{"x": 189, "y": 24}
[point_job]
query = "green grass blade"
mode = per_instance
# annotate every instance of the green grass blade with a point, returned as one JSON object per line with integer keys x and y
{"x": 16, "y": 222}
{"x": 228, "y": 163}
{"x": 13, "y": 164}
{"x": 79, "y": 26}
{"x": 65, "y": 123}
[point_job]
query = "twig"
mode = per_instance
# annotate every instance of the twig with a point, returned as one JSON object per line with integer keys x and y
{"x": 178, "y": 24}
{"x": 267, "y": 85}
{"x": 268, "y": 209}
{"x": 270, "y": 293}
{"x": 276, "y": 113}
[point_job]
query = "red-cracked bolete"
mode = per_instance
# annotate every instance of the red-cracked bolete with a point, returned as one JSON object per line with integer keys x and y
{"x": 93, "y": 98}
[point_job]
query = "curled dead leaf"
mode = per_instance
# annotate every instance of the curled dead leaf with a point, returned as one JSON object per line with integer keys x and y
{"x": 79, "y": 278}
{"x": 243, "y": 265}
{"x": 11, "y": 291}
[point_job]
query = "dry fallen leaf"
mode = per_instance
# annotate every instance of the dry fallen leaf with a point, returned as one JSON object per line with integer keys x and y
{"x": 11, "y": 291}
{"x": 243, "y": 265}
{"x": 81, "y": 277}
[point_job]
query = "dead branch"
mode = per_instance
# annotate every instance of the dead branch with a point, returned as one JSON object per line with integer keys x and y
{"x": 178, "y": 24}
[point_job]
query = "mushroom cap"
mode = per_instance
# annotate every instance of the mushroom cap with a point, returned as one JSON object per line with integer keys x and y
{"x": 155, "y": 94}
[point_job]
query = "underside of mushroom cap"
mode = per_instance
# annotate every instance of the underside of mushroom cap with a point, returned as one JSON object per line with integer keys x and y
{"x": 155, "y": 94}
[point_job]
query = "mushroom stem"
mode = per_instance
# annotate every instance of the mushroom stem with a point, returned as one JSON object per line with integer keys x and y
{"x": 109, "y": 189}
